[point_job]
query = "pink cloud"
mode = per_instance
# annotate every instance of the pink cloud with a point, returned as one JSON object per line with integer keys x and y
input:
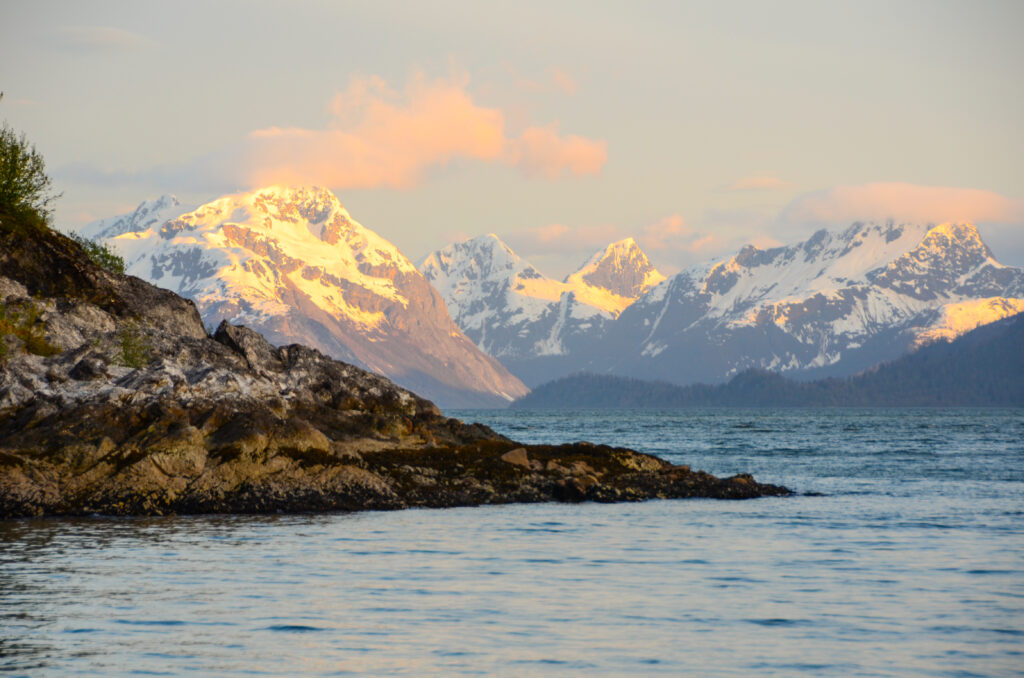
{"x": 902, "y": 202}
{"x": 559, "y": 239}
{"x": 456, "y": 235}
{"x": 550, "y": 233}
{"x": 762, "y": 182}
{"x": 381, "y": 137}
{"x": 563, "y": 81}
{"x": 540, "y": 150}
{"x": 670, "y": 240}
{"x": 672, "y": 233}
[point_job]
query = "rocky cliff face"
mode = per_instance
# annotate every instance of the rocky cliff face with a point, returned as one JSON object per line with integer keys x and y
{"x": 114, "y": 399}
{"x": 834, "y": 304}
{"x": 293, "y": 264}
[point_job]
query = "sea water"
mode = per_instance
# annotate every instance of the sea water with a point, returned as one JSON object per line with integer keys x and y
{"x": 901, "y": 554}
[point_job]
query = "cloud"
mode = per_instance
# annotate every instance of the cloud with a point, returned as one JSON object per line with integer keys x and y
{"x": 563, "y": 81}
{"x": 671, "y": 242}
{"x": 376, "y": 137}
{"x": 456, "y": 235}
{"x": 759, "y": 183}
{"x": 381, "y": 137}
{"x": 101, "y": 39}
{"x": 540, "y": 150}
{"x": 670, "y": 239}
{"x": 843, "y": 205}
{"x": 673, "y": 234}
{"x": 561, "y": 240}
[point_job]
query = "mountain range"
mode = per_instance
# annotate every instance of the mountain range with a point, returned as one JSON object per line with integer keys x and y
{"x": 292, "y": 263}
{"x": 834, "y": 304}
{"x": 534, "y": 324}
{"x": 980, "y": 368}
{"x": 473, "y": 321}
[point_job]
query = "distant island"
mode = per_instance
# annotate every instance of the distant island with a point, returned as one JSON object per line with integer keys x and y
{"x": 984, "y": 367}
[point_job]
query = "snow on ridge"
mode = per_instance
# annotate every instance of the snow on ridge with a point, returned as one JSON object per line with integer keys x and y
{"x": 149, "y": 214}
{"x": 823, "y": 264}
{"x": 262, "y": 246}
{"x": 510, "y": 309}
{"x": 291, "y": 262}
{"x": 831, "y": 294}
{"x": 961, "y": 317}
{"x": 614, "y": 277}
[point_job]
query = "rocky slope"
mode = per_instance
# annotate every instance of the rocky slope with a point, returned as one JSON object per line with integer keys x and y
{"x": 833, "y": 305}
{"x": 114, "y": 399}
{"x": 535, "y": 325}
{"x": 293, "y": 264}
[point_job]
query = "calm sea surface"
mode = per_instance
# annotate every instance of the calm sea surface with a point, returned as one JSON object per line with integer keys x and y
{"x": 911, "y": 562}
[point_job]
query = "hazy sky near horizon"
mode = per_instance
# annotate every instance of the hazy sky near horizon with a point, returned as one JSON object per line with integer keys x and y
{"x": 561, "y": 126}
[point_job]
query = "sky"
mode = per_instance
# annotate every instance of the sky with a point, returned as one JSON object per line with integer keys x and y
{"x": 696, "y": 127}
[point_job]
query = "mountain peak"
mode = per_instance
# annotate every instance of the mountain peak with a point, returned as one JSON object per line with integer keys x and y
{"x": 950, "y": 232}
{"x": 292, "y": 262}
{"x": 148, "y": 214}
{"x": 294, "y": 192}
{"x": 621, "y": 269}
{"x": 948, "y": 236}
{"x": 624, "y": 244}
{"x": 165, "y": 200}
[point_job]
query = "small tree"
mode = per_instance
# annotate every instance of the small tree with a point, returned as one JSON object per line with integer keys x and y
{"x": 135, "y": 349}
{"x": 101, "y": 254}
{"x": 25, "y": 189}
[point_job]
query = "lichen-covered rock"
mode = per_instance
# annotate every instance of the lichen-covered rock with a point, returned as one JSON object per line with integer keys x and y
{"x": 141, "y": 412}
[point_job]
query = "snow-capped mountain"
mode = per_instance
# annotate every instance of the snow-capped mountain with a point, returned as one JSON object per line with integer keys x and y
{"x": 294, "y": 265}
{"x": 835, "y": 304}
{"x": 149, "y": 214}
{"x": 614, "y": 277}
{"x": 530, "y": 322}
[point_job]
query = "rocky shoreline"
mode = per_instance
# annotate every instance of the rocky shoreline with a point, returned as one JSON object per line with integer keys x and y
{"x": 114, "y": 399}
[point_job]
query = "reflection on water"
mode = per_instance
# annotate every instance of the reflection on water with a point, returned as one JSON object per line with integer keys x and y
{"x": 912, "y": 563}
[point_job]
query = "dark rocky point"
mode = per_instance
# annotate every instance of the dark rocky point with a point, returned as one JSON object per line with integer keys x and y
{"x": 114, "y": 399}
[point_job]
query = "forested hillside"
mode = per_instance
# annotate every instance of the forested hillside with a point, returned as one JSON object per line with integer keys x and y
{"x": 983, "y": 367}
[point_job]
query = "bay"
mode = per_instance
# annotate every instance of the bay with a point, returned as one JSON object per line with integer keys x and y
{"x": 901, "y": 554}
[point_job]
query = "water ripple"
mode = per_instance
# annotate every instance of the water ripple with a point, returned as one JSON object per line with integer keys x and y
{"x": 903, "y": 554}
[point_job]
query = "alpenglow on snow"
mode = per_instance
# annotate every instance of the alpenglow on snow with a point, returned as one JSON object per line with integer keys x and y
{"x": 292, "y": 263}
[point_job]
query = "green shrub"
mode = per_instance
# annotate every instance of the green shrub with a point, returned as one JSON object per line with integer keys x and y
{"x": 101, "y": 255}
{"x": 25, "y": 189}
{"x": 135, "y": 349}
{"x": 23, "y": 321}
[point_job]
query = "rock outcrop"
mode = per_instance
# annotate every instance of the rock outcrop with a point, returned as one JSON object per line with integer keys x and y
{"x": 114, "y": 399}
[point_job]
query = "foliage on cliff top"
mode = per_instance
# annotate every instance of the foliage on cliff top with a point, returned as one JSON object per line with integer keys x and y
{"x": 101, "y": 255}
{"x": 26, "y": 191}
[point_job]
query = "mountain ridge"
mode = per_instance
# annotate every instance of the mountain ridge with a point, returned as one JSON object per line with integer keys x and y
{"x": 531, "y": 322}
{"x": 833, "y": 304}
{"x": 979, "y": 368}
